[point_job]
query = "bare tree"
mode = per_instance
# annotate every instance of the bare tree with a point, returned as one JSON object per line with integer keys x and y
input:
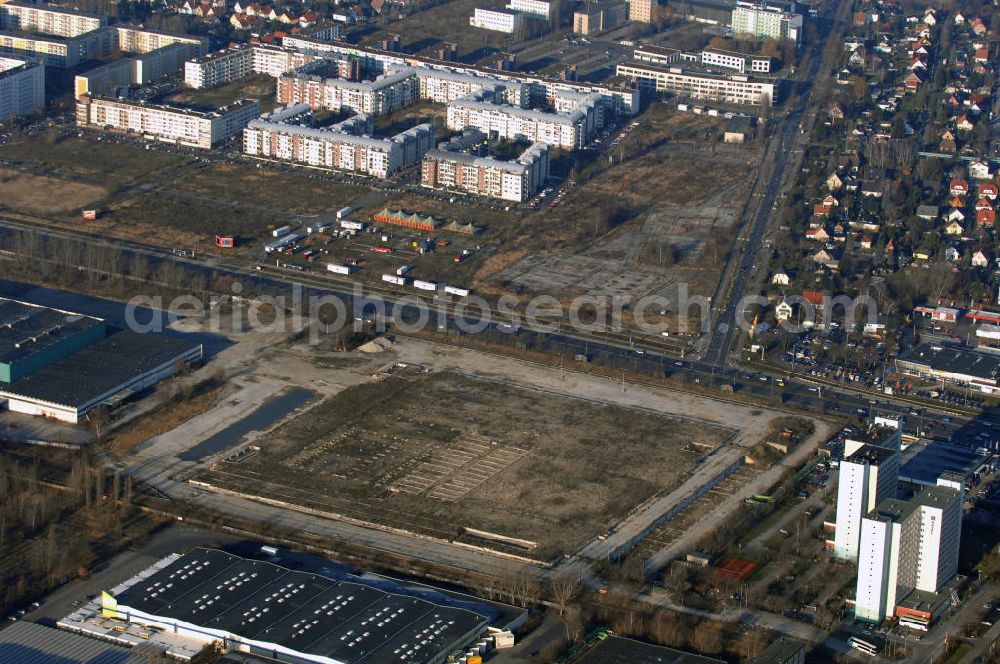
{"x": 563, "y": 587}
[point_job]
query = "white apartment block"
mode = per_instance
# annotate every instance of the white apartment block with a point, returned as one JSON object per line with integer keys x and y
{"x": 687, "y": 82}
{"x": 515, "y": 180}
{"x": 564, "y": 130}
{"x": 221, "y": 67}
{"x": 498, "y": 20}
{"x": 139, "y": 70}
{"x": 868, "y": 476}
{"x": 48, "y": 19}
{"x": 344, "y": 146}
{"x": 546, "y": 9}
{"x": 165, "y": 123}
{"x": 765, "y": 21}
{"x": 138, "y": 40}
{"x": 22, "y": 88}
{"x": 741, "y": 62}
{"x": 444, "y": 86}
{"x": 906, "y": 546}
{"x": 56, "y": 51}
{"x": 320, "y": 85}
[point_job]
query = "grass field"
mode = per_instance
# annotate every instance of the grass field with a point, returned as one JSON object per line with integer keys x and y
{"x": 107, "y": 164}
{"x": 441, "y": 453}
{"x": 20, "y": 192}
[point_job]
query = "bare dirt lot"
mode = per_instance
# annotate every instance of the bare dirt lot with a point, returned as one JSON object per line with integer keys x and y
{"x": 20, "y": 191}
{"x": 439, "y": 453}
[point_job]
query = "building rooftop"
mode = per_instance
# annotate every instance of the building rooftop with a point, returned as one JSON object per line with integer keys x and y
{"x": 938, "y": 458}
{"x": 871, "y": 454}
{"x": 180, "y": 110}
{"x": 877, "y": 435}
{"x": 88, "y": 374}
{"x": 302, "y": 612}
{"x": 618, "y": 650}
{"x": 935, "y": 496}
{"x": 951, "y": 359}
{"x": 27, "y": 329}
{"x": 893, "y": 510}
{"x": 692, "y": 69}
{"x": 780, "y": 651}
{"x": 29, "y": 643}
{"x": 739, "y": 124}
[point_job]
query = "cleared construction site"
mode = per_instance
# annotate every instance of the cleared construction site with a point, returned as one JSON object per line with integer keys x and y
{"x": 473, "y": 461}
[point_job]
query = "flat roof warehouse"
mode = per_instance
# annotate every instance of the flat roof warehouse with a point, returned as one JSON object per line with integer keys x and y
{"x": 269, "y": 610}
{"x": 61, "y": 364}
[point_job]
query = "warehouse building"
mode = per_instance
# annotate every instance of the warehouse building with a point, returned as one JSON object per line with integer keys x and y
{"x": 22, "y": 88}
{"x": 953, "y": 364}
{"x": 61, "y": 364}
{"x": 166, "y": 123}
{"x": 287, "y": 134}
{"x": 30, "y": 643}
{"x": 264, "y": 609}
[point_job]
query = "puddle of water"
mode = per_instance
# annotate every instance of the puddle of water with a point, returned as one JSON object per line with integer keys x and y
{"x": 263, "y": 417}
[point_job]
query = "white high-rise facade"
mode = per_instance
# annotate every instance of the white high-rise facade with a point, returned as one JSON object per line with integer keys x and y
{"x": 868, "y": 476}
{"x": 906, "y": 546}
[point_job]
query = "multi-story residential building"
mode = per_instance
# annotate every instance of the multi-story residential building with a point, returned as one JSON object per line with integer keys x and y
{"x": 617, "y": 99}
{"x": 907, "y": 546}
{"x": 766, "y": 21}
{"x": 22, "y": 88}
{"x": 48, "y": 19}
{"x": 498, "y": 20}
{"x": 741, "y": 62}
{"x": 443, "y": 87}
{"x": 567, "y": 130}
{"x": 641, "y": 11}
{"x": 321, "y": 84}
{"x": 166, "y": 123}
{"x": 600, "y": 18}
{"x": 697, "y": 83}
{"x": 450, "y": 167}
{"x": 139, "y": 40}
{"x": 142, "y": 69}
{"x": 56, "y": 51}
{"x": 232, "y": 64}
{"x": 219, "y": 68}
{"x": 544, "y": 9}
{"x": 286, "y": 134}
{"x": 868, "y": 476}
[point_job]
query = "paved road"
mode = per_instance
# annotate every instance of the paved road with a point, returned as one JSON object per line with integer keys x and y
{"x": 724, "y": 326}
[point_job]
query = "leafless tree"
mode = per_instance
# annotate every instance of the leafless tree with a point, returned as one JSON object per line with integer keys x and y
{"x": 563, "y": 587}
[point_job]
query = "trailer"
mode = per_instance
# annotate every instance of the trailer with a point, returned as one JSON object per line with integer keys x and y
{"x": 425, "y": 285}
{"x": 344, "y": 211}
{"x": 455, "y": 290}
{"x": 382, "y": 250}
{"x": 393, "y": 279}
{"x": 339, "y": 269}
{"x": 400, "y": 271}
{"x": 278, "y": 245}
{"x": 352, "y": 225}
{"x": 279, "y": 232}
{"x": 317, "y": 228}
